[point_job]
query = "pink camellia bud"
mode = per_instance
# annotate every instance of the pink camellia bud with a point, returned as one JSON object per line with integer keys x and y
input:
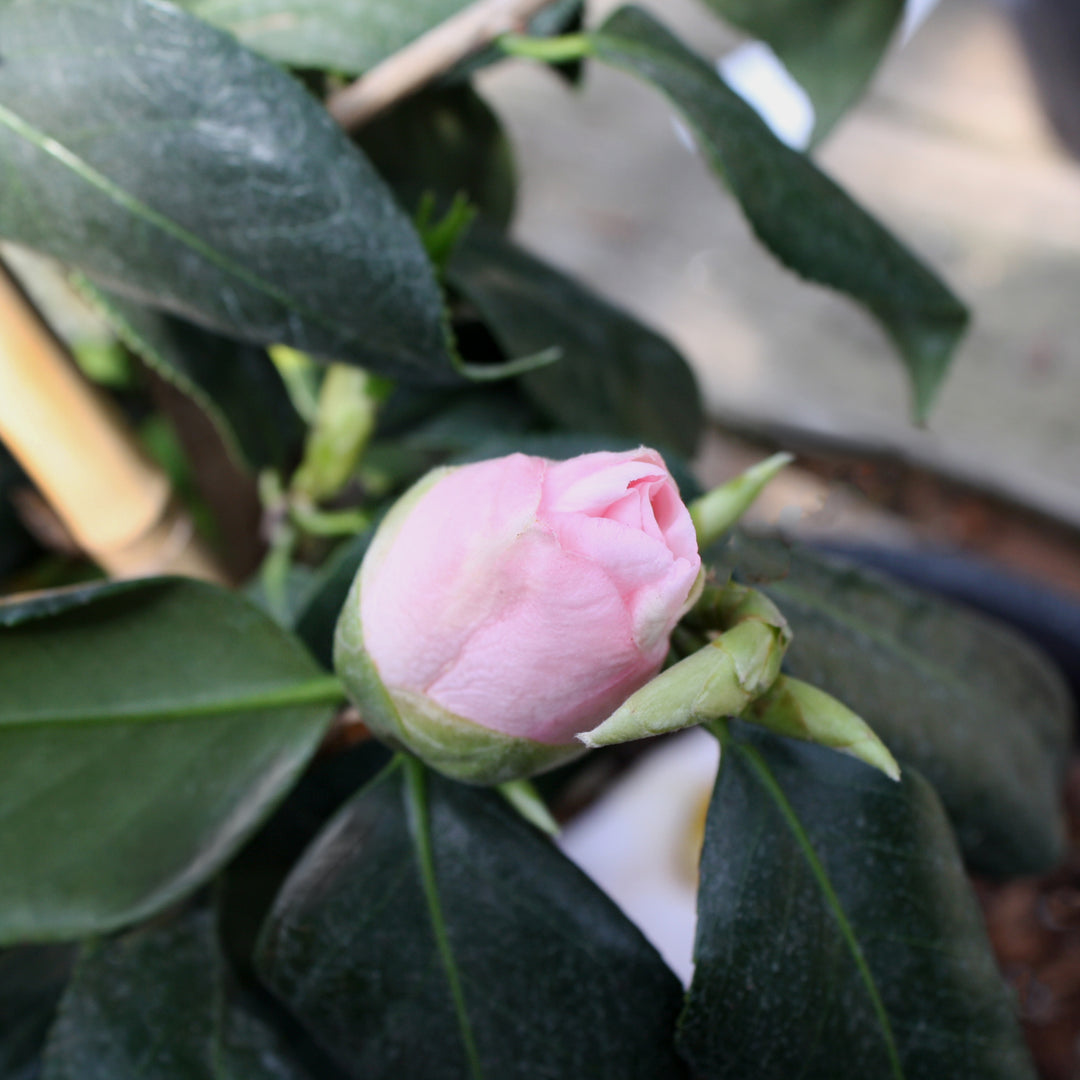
{"x": 507, "y": 605}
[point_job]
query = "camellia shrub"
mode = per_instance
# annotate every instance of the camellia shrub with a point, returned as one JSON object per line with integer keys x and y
{"x": 295, "y": 826}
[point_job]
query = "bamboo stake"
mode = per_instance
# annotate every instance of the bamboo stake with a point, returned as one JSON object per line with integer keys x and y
{"x": 77, "y": 448}
{"x": 427, "y": 57}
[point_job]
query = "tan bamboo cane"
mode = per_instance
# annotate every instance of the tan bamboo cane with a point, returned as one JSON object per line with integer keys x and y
{"x": 80, "y": 453}
{"x": 426, "y": 58}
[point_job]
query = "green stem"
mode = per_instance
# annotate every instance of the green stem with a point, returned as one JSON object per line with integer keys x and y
{"x": 317, "y": 522}
{"x": 552, "y": 50}
{"x": 821, "y": 875}
{"x": 508, "y": 369}
{"x": 420, "y": 827}
{"x": 275, "y": 573}
{"x": 720, "y": 730}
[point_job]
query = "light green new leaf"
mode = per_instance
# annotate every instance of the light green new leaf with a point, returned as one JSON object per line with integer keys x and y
{"x": 146, "y": 728}
{"x": 809, "y": 223}
{"x": 173, "y": 166}
{"x": 831, "y": 47}
{"x": 837, "y": 935}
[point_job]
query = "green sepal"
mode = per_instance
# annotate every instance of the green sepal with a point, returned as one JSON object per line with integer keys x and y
{"x": 722, "y": 607}
{"x": 719, "y": 680}
{"x": 528, "y": 802}
{"x": 801, "y": 711}
{"x": 452, "y": 745}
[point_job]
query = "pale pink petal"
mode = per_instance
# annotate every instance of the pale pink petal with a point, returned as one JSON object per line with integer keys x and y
{"x": 434, "y": 582}
{"x": 655, "y": 608}
{"x": 595, "y": 494}
{"x": 647, "y": 493}
{"x": 561, "y": 647}
{"x": 628, "y": 556}
{"x": 674, "y": 521}
{"x": 605, "y": 477}
{"x": 627, "y": 511}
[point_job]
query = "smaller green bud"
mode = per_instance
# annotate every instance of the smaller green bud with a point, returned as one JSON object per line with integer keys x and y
{"x": 718, "y": 510}
{"x": 801, "y": 711}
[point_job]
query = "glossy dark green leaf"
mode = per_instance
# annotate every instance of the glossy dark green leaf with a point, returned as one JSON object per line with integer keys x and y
{"x": 444, "y": 140}
{"x": 975, "y": 707}
{"x": 614, "y": 375}
{"x": 831, "y": 47}
{"x": 145, "y": 729}
{"x": 251, "y": 881}
{"x": 530, "y": 972}
{"x": 342, "y": 35}
{"x": 809, "y": 223}
{"x": 209, "y": 184}
{"x": 463, "y": 420}
{"x": 32, "y": 978}
{"x": 838, "y": 938}
{"x": 234, "y": 383}
{"x": 159, "y": 1002}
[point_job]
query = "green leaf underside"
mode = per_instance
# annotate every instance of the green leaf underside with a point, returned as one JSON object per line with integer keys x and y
{"x": 809, "y": 223}
{"x": 236, "y": 385}
{"x": 614, "y": 376}
{"x": 158, "y": 1002}
{"x": 832, "y": 49}
{"x": 974, "y": 707}
{"x": 352, "y": 949}
{"x": 193, "y": 189}
{"x": 145, "y": 730}
{"x": 348, "y": 37}
{"x": 835, "y": 899}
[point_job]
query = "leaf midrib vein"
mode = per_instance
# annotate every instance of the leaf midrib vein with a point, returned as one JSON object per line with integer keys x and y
{"x": 325, "y": 690}
{"x": 832, "y": 900}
